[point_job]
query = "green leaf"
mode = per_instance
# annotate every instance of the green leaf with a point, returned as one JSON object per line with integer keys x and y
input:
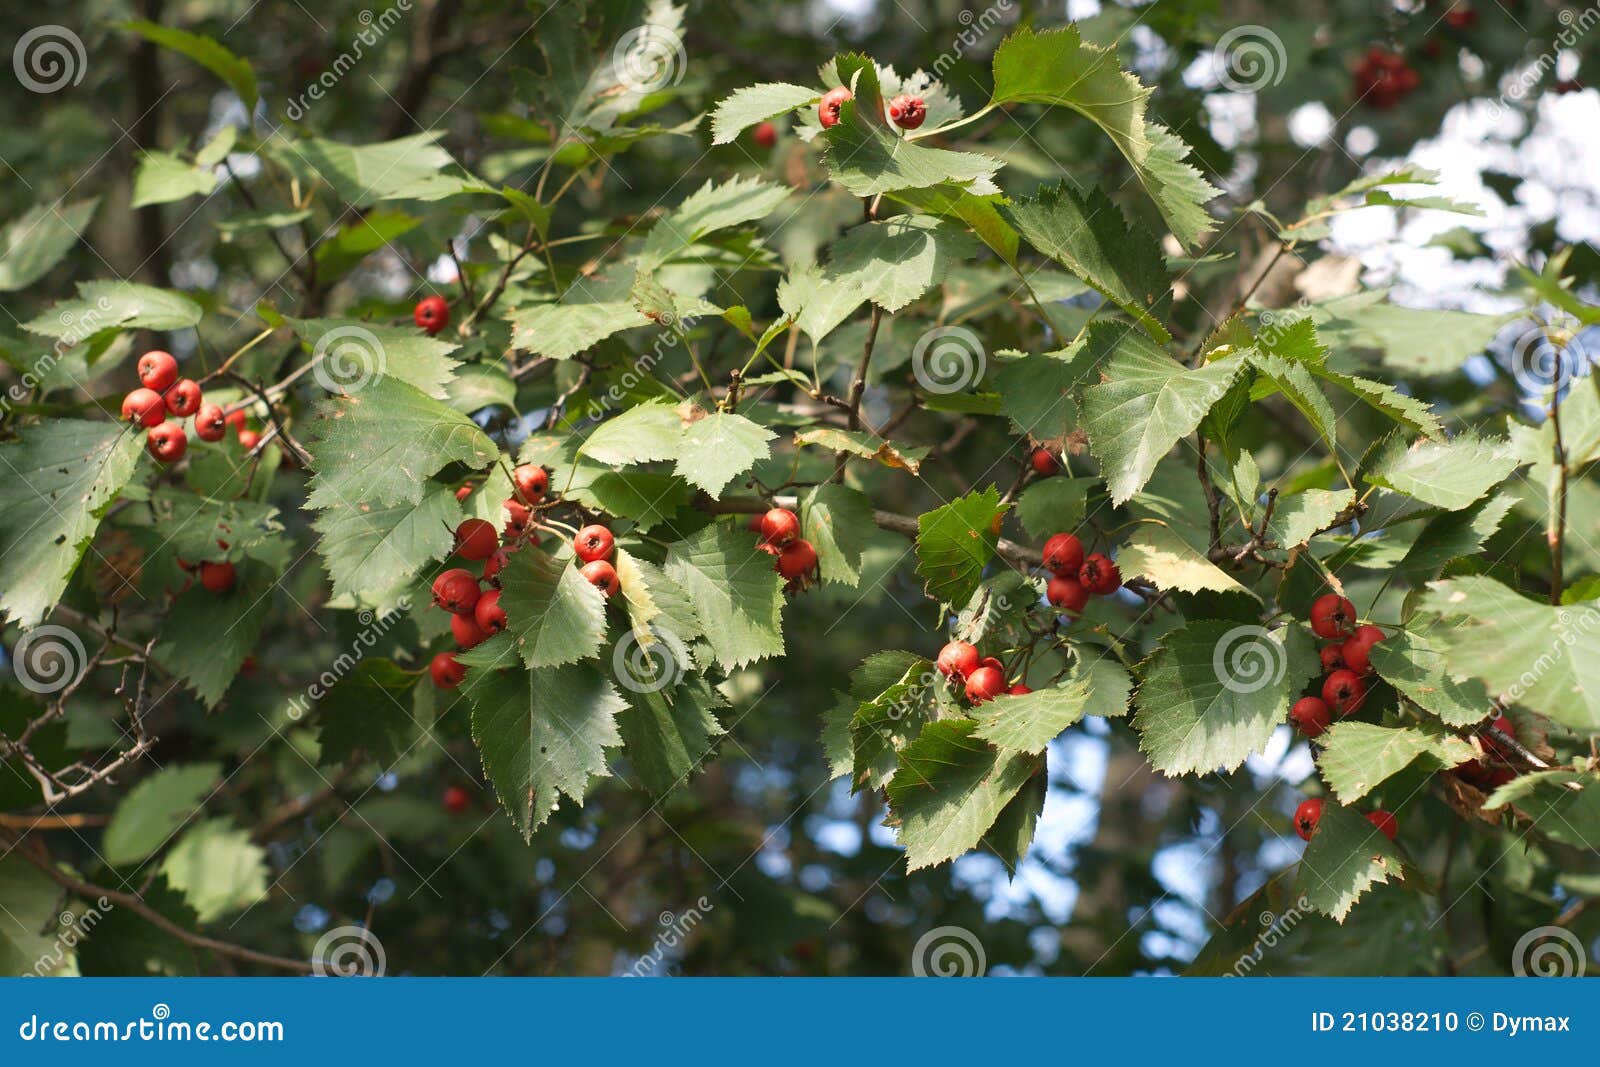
{"x": 1028, "y": 723}
{"x": 368, "y": 711}
{"x": 379, "y": 445}
{"x": 196, "y": 527}
{"x": 363, "y": 175}
{"x": 1455, "y": 534}
{"x": 1448, "y": 474}
{"x": 561, "y": 331}
{"x": 552, "y": 613}
{"x": 1214, "y": 691}
{"x": 40, "y": 239}
{"x": 1109, "y": 683}
{"x": 1358, "y": 756}
{"x": 207, "y": 637}
{"x": 1298, "y": 516}
{"x": 1178, "y": 188}
{"x": 373, "y": 553}
{"x": 646, "y": 497}
{"x": 1164, "y": 557}
{"x": 163, "y": 178}
{"x": 837, "y": 520}
{"x": 153, "y": 810}
{"x": 734, "y": 586}
{"x": 1054, "y": 504}
{"x": 1297, "y": 385}
{"x": 756, "y": 103}
{"x": 338, "y": 254}
{"x": 669, "y": 732}
{"x": 31, "y": 908}
{"x": 710, "y": 208}
{"x": 886, "y": 722}
{"x": 949, "y": 789}
{"x": 60, "y": 478}
{"x": 865, "y": 444}
{"x": 115, "y": 305}
{"x": 352, "y": 353}
{"x": 1409, "y": 661}
{"x": 642, "y": 434}
{"x": 720, "y": 447}
{"x": 1346, "y": 857}
{"x": 1555, "y": 810}
{"x": 1408, "y": 411}
{"x": 897, "y": 260}
{"x": 206, "y": 52}
{"x": 543, "y": 734}
{"x": 217, "y": 869}
{"x": 1038, "y": 392}
{"x": 956, "y": 542}
{"x": 1413, "y": 341}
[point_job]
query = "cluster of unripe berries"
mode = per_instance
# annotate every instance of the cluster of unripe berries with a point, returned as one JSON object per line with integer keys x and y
{"x": 780, "y": 537}
{"x": 1309, "y": 814}
{"x": 905, "y": 111}
{"x": 162, "y": 393}
{"x": 1346, "y": 659}
{"x": 432, "y": 313}
{"x": 1074, "y": 577}
{"x": 980, "y": 679}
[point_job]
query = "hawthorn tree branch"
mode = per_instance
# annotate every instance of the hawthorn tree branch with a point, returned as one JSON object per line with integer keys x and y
{"x": 1556, "y": 535}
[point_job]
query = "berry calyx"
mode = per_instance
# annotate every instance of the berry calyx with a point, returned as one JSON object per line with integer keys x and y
{"x": 957, "y": 659}
{"x": 1332, "y": 616}
{"x": 907, "y": 112}
{"x": 1099, "y": 575}
{"x": 1384, "y": 822}
{"x": 1044, "y": 463}
{"x": 780, "y": 526}
{"x": 167, "y": 442}
{"x": 456, "y": 800}
{"x": 1310, "y": 716}
{"x": 209, "y": 423}
{"x": 488, "y": 614}
{"x": 144, "y": 407}
{"x": 796, "y": 560}
{"x": 1357, "y": 646}
{"x": 476, "y": 539}
{"x": 466, "y": 631}
{"x": 183, "y": 399}
{"x": 1331, "y": 656}
{"x": 432, "y": 313}
{"x": 217, "y": 577}
{"x": 831, "y": 104}
{"x": 1306, "y": 817}
{"x": 985, "y": 684}
{"x": 593, "y": 543}
{"x": 602, "y": 576}
{"x": 532, "y": 482}
{"x": 1018, "y": 690}
{"x": 766, "y": 134}
{"x": 1343, "y": 691}
{"x": 1068, "y": 594}
{"x": 1063, "y": 555}
{"x": 445, "y": 671}
{"x": 157, "y": 370}
{"x": 456, "y": 591}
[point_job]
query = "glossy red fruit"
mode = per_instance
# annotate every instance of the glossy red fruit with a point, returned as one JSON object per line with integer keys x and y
{"x": 466, "y": 631}
{"x": 1099, "y": 575}
{"x": 957, "y": 659}
{"x": 1044, "y": 464}
{"x": 157, "y": 370}
{"x": 144, "y": 407}
{"x": 991, "y": 661}
{"x": 492, "y": 565}
{"x": 456, "y": 800}
{"x": 780, "y": 526}
{"x": 1358, "y": 645}
{"x": 1310, "y": 716}
{"x": 985, "y": 683}
{"x": 1343, "y": 691}
{"x": 183, "y": 399}
{"x": 432, "y": 313}
{"x": 532, "y": 482}
{"x": 796, "y": 560}
{"x": 249, "y": 440}
{"x": 1306, "y": 817}
{"x": 209, "y": 423}
{"x": 907, "y": 112}
{"x": 1018, "y": 690}
{"x": 766, "y": 134}
{"x": 476, "y": 539}
{"x": 456, "y": 591}
{"x": 1332, "y": 616}
{"x": 593, "y": 543}
{"x": 829, "y": 107}
{"x": 464, "y": 491}
{"x": 488, "y": 614}
{"x": 217, "y": 577}
{"x": 1068, "y": 594}
{"x": 445, "y": 671}
{"x": 518, "y": 519}
{"x": 1384, "y": 822}
{"x": 167, "y": 442}
{"x": 238, "y": 418}
{"x": 1063, "y": 555}
{"x": 602, "y": 576}
{"x": 1332, "y": 657}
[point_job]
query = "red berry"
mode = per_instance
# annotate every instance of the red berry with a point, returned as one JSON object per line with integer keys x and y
{"x": 602, "y": 576}
{"x": 1333, "y": 616}
{"x": 497, "y": 560}
{"x": 1099, "y": 575}
{"x": 183, "y": 399}
{"x": 1063, "y": 555}
{"x": 780, "y": 526}
{"x": 217, "y": 577}
{"x": 1459, "y": 17}
{"x": 456, "y": 591}
{"x": 238, "y": 418}
{"x": 144, "y": 407}
{"x": 1504, "y": 725}
{"x": 167, "y": 442}
{"x": 985, "y": 683}
{"x": 457, "y": 801}
{"x": 992, "y": 661}
{"x": 158, "y": 370}
{"x": 796, "y": 560}
{"x": 593, "y": 543}
{"x": 464, "y": 491}
{"x": 1044, "y": 464}
{"x": 1384, "y": 822}
{"x": 1018, "y": 690}
{"x": 1357, "y": 646}
{"x": 518, "y": 519}
{"x": 1306, "y": 817}
{"x": 476, "y": 539}
{"x": 907, "y": 112}
{"x": 1310, "y": 716}
{"x": 831, "y": 104}
{"x": 532, "y": 482}
{"x": 957, "y": 659}
{"x": 432, "y": 313}
{"x": 209, "y": 423}
{"x": 466, "y": 631}
{"x": 1332, "y": 657}
{"x": 1343, "y": 691}
{"x": 1068, "y": 594}
{"x": 249, "y": 440}
{"x": 487, "y": 612}
{"x": 446, "y": 672}
{"x": 766, "y": 134}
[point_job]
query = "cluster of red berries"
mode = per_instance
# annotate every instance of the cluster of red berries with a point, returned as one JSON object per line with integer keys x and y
{"x": 1309, "y": 814}
{"x": 780, "y": 537}
{"x": 432, "y": 313}
{"x": 163, "y": 393}
{"x": 1483, "y": 775}
{"x": 1347, "y": 660}
{"x": 905, "y": 111}
{"x": 1074, "y": 577}
{"x": 1384, "y": 78}
{"x": 475, "y": 612}
{"x": 982, "y": 679}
